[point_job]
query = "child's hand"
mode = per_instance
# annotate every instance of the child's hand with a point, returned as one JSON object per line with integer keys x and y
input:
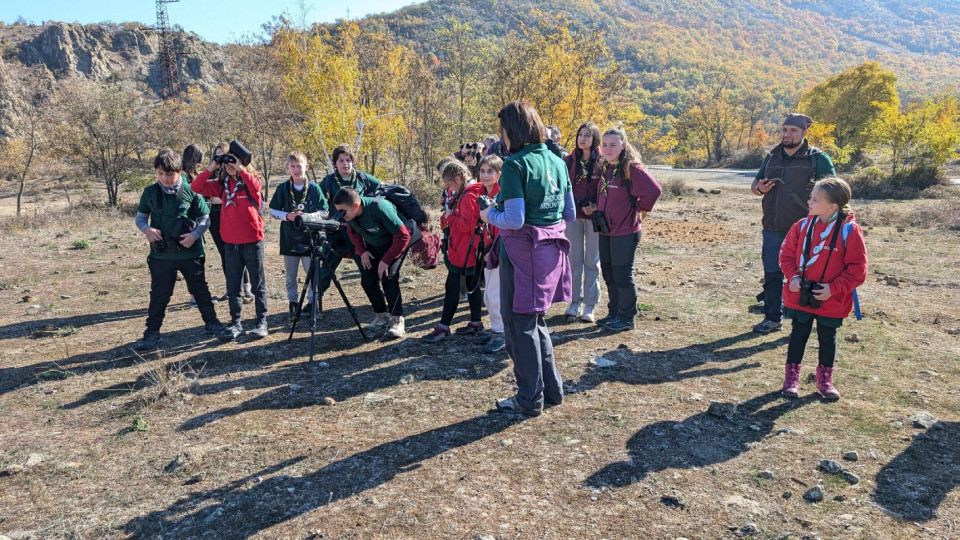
{"x": 794, "y": 284}
{"x": 823, "y": 293}
{"x": 484, "y": 213}
{"x": 366, "y": 260}
{"x": 152, "y": 234}
{"x": 187, "y": 240}
{"x": 292, "y": 215}
{"x": 382, "y": 269}
{"x": 589, "y": 209}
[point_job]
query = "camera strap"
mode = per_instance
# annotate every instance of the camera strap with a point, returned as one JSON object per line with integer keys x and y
{"x": 808, "y": 246}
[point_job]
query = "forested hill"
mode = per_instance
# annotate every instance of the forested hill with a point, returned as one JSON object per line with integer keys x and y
{"x": 668, "y": 45}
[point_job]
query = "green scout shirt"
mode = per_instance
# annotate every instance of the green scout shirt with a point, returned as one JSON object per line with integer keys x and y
{"x": 165, "y": 212}
{"x": 285, "y": 199}
{"x": 541, "y": 179}
{"x": 332, "y": 184}
{"x": 377, "y": 226}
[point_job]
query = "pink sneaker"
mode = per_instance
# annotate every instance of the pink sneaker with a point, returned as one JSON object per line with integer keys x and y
{"x": 825, "y": 384}
{"x": 791, "y": 381}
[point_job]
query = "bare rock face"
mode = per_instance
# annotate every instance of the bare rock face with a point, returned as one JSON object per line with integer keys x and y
{"x": 108, "y": 52}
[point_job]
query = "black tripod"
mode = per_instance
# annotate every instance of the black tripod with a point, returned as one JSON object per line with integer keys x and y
{"x": 319, "y": 247}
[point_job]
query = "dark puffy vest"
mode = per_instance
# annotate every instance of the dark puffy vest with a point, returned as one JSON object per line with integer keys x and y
{"x": 786, "y": 203}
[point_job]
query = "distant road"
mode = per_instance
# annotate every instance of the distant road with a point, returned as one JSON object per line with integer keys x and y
{"x": 721, "y": 176}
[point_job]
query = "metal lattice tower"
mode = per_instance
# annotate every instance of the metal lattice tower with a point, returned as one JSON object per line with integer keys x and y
{"x": 169, "y": 68}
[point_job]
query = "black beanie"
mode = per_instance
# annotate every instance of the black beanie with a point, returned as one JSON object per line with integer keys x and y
{"x": 801, "y": 121}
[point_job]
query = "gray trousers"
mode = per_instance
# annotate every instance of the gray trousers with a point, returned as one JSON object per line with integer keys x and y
{"x": 584, "y": 261}
{"x": 617, "y": 255}
{"x": 528, "y": 344}
{"x": 290, "y": 266}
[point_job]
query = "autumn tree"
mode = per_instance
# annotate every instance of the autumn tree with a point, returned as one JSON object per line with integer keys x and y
{"x": 100, "y": 127}
{"x": 714, "y": 114}
{"x": 851, "y": 101}
{"x": 30, "y": 95}
{"x": 922, "y": 136}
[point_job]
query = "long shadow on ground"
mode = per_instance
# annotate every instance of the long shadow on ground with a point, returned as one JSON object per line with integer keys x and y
{"x": 657, "y": 367}
{"x": 700, "y": 440}
{"x": 245, "y": 510}
{"x": 914, "y": 484}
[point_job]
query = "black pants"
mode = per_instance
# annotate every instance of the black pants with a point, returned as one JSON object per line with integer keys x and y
{"x": 617, "y": 255}
{"x": 826, "y": 336}
{"x": 451, "y": 298}
{"x": 249, "y": 258}
{"x": 163, "y": 278}
{"x": 388, "y": 299}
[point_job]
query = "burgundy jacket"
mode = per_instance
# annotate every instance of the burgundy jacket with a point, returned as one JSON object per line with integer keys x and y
{"x": 621, "y": 208}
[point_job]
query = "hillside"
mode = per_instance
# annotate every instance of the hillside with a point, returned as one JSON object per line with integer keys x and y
{"x": 667, "y": 46}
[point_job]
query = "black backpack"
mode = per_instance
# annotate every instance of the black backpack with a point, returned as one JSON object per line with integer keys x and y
{"x": 404, "y": 200}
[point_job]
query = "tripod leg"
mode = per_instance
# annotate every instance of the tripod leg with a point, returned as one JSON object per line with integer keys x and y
{"x": 303, "y": 294}
{"x": 346, "y": 301}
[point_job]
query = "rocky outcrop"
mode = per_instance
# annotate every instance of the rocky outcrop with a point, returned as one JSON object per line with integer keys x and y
{"x": 107, "y": 52}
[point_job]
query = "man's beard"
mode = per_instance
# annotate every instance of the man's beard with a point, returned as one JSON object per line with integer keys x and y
{"x": 791, "y": 145}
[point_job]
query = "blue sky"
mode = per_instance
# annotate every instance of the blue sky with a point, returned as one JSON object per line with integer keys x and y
{"x": 219, "y": 21}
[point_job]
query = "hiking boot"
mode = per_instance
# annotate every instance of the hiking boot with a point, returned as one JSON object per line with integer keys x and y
{"x": 573, "y": 312}
{"x": 438, "y": 334}
{"x": 193, "y": 302}
{"x": 495, "y": 344}
{"x": 260, "y": 330}
{"x": 767, "y": 326}
{"x": 825, "y": 384}
{"x": 603, "y": 321}
{"x": 471, "y": 329}
{"x": 617, "y": 325}
{"x": 379, "y": 321}
{"x": 149, "y": 341}
{"x": 231, "y": 332}
{"x": 213, "y": 328}
{"x": 509, "y": 405}
{"x": 791, "y": 381}
{"x": 588, "y": 314}
{"x": 396, "y": 327}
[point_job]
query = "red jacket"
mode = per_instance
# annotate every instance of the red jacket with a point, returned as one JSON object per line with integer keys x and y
{"x": 240, "y": 223}
{"x": 463, "y": 223}
{"x": 493, "y": 195}
{"x": 846, "y": 268}
{"x": 622, "y": 209}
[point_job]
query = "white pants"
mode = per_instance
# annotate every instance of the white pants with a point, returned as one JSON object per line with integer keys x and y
{"x": 584, "y": 261}
{"x": 290, "y": 264}
{"x": 491, "y": 297}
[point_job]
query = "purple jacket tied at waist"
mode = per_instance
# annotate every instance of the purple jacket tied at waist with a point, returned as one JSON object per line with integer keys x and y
{"x": 541, "y": 272}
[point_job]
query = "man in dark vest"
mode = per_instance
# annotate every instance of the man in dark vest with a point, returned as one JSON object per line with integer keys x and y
{"x": 785, "y": 181}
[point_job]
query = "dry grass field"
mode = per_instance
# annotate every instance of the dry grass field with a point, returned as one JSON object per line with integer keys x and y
{"x": 397, "y": 439}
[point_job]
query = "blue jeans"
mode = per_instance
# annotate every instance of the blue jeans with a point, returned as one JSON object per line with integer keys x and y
{"x": 772, "y": 276}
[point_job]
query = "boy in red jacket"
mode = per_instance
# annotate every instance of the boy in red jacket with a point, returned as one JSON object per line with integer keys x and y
{"x": 242, "y": 230}
{"x": 824, "y": 259}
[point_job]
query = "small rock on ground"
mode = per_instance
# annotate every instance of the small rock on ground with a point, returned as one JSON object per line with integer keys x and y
{"x": 722, "y": 410}
{"x": 851, "y": 456}
{"x": 33, "y": 460}
{"x": 851, "y": 478}
{"x": 766, "y": 475}
{"x": 830, "y": 466}
{"x": 674, "y": 501}
{"x": 329, "y": 401}
{"x": 923, "y": 420}
{"x": 749, "y": 529}
{"x": 814, "y": 494}
{"x": 600, "y": 361}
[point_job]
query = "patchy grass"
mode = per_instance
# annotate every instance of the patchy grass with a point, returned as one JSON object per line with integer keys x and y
{"x": 396, "y": 439}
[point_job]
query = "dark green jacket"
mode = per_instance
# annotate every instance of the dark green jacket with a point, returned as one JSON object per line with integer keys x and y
{"x": 286, "y": 199}
{"x": 165, "y": 212}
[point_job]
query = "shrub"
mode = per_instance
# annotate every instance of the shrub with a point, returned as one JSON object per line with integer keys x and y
{"x": 81, "y": 244}
{"x": 747, "y": 159}
{"x": 873, "y": 183}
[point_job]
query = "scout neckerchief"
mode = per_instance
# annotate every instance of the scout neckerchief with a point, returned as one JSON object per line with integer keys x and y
{"x": 353, "y": 180}
{"x": 298, "y": 207}
{"x": 228, "y": 194}
{"x": 585, "y": 169}
{"x": 810, "y": 253}
{"x": 609, "y": 171}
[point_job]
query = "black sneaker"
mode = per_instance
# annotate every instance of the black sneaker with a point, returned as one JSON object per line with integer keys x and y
{"x": 605, "y": 320}
{"x": 148, "y": 342}
{"x": 767, "y": 326}
{"x": 213, "y": 328}
{"x": 260, "y": 330}
{"x": 617, "y": 325}
{"x": 231, "y": 332}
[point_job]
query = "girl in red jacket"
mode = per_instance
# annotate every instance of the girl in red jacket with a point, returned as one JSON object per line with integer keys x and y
{"x": 462, "y": 218}
{"x": 824, "y": 259}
